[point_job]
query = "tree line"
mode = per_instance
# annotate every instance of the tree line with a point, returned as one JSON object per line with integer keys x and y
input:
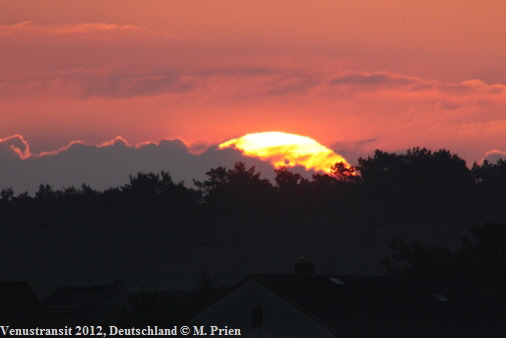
{"x": 419, "y": 189}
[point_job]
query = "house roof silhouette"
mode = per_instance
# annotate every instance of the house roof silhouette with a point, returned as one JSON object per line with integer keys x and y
{"x": 20, "y": 308}
{"x": 385, "y": 306}
{"x": 17, "y": 294}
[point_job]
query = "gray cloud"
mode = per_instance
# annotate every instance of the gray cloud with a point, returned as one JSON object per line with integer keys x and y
{"x": 103, "y": 167}
{"x": 293, "y": 84}
{"x": 131, "y": 85}
{"x": 244, "y": 71}
{"x": 493, "y": 156}
{"x": 373, "y": 81}
{"x": 352, "y": 150}
{"x": 382, "y": 81}
{"x": 14, "y": 146}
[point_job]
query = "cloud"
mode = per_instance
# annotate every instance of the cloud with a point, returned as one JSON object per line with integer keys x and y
{"x": 75, "y": 28}
{"x": 293, "y": 84}
{"x": 374, "y": 81}
{"x": 493, "y": 156}
{"x": 15, "y": 145}
{"x": 352, "y": 150}
{"x": 99, "y": 82}
{"x": 96, "y": 80}
{"x": 361, "y": 81}
{"x": 132, "y": 85}
{"x": 109, "y": 164}
{"x": 142, "y": 62}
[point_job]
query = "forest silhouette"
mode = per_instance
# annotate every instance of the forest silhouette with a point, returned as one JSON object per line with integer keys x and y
{"x": 156, "y": 232}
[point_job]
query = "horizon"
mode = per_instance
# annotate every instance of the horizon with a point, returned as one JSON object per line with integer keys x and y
{"x": 110, "y": 164}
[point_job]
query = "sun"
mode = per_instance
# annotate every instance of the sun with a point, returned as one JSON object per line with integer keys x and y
{"x": 283, "y": 149}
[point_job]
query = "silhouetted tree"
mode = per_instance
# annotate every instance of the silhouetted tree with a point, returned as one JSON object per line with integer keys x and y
{"x": 45, "y": 192}
{"x": 490, "y": 188}
{"x": 6, "y": 194}
{"x": 345, "y": 173}
{"x": 153, "y": 220}
{"x": 485, "y": 254}
{"x": 420, "y": 183}
{"x": 289, "y": 181}
{"x": 157, "y": 196}
{"x": 490, "y": 174}
{"x": 418, "y": 259}
{"x": 481, "y": 258}
{"x": 236, "y": 191}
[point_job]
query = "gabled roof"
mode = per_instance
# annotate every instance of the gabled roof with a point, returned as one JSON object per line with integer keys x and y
{"x": 17, "y": 294}
{"x": 386, "y": 306}
{"x": 20, "y": 308}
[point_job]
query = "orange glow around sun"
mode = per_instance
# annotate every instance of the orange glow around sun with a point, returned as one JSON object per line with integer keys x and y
{"x": 282, "y": 149}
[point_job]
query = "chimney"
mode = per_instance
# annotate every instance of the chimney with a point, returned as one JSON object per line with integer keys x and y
{"x": 303, "y": 268}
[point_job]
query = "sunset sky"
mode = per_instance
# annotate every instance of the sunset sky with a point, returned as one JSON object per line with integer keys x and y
{"x": 353, "y": 75}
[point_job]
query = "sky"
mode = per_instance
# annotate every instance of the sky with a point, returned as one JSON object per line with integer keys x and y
{"x": 105, "y": 76}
